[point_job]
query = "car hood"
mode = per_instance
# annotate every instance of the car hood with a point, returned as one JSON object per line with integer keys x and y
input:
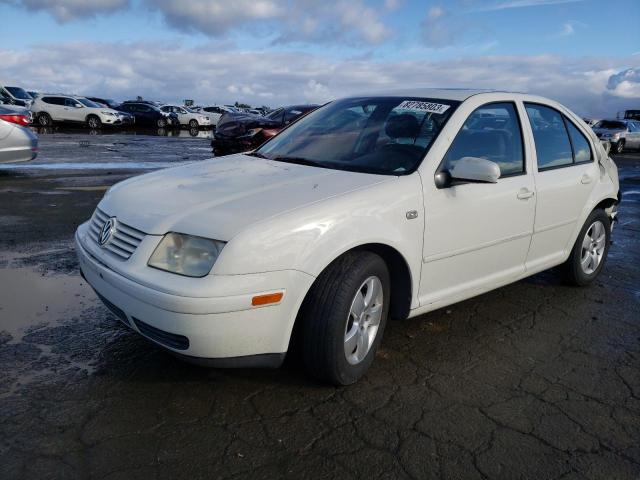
{"x": 234, "y": 124}
{"x": 217, "y": 198}
{"x": 610, "y": 131}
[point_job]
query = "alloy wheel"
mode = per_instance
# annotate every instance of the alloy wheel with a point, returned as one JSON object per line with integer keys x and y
{"x": 363, "y": 320}
{"x": 593, "y": 247}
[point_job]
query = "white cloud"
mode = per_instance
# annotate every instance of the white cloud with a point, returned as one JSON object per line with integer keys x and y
{"x": 67, "y": 10}
{"x": 488, "y": 6}
{"x": 590, "y": 86}
{"x": 625, "y": 84}
{"x": 213, "y": 17}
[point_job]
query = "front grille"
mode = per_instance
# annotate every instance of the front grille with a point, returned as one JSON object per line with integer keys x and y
{"x": 125, "y": 239}
{"x": 179, "y": 342}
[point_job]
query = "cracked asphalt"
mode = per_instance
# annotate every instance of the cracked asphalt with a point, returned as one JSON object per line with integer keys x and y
{"x": 535, "y": 380}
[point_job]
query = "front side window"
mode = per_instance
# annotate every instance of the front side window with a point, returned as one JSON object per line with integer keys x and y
{"x": 382, "y": 135}
{"x": 553, "y": 147}
{"x": 491, "y": 132}
{"x": 70, "y": 102}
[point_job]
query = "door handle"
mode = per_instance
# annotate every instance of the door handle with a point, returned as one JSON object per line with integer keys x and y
{"x": 525, "y": 193}
{"x": 585, "y": 179}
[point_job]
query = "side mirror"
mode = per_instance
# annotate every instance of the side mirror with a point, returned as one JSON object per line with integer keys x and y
{"x": 476, "y": 170}
{"x": 442, "y": 179}
{"x": 78, "y": 105}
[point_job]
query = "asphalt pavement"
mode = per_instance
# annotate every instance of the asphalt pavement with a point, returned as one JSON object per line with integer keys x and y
{"x": 536, "y": 380}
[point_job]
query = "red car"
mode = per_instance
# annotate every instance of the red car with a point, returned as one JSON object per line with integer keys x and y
{"x": 241, "y": 132}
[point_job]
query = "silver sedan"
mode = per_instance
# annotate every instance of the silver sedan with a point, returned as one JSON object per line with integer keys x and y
{"x": 17, "y": 143}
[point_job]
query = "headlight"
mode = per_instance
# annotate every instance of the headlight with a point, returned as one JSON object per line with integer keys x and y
{"x": 616, "y": 136}
{"x": 109, "y": 113}
{"x": 252, "y": 132}
{"x": 186, "y": 254}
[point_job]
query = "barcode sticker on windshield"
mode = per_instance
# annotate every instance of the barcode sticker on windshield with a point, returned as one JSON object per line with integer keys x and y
{"x": 423, "y": 106}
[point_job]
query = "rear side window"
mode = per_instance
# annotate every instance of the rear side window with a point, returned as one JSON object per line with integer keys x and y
{"x": 580, "y": 144}
{"x": 491, "y": 132}
{"x": 559, "y": 143}
{"x": 53, "y": 100}
{"x": 553, "y": 147}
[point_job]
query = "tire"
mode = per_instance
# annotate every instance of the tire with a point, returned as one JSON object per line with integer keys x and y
{"x": 619, "y": 146}
{"x": 193, "y": 123}
{"x": 162, "y": 123}
{"x": 44, "y": 119}
{"x": 590, "y": 251}
{"x": 93, "y": 122}
{"x": 328, "y": 322}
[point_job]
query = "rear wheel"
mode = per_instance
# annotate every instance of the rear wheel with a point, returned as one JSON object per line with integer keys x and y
{"x": 44, "y": 119}
{"x": 162, "y": 123}
{"x": 93, "y": 122}
{"x": 590, "y": 250}
{"x": 194, "y": 123}
{"x": 344, "y": 316}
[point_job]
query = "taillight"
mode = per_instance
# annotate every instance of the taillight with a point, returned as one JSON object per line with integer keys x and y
{"x": 22, "y": 120}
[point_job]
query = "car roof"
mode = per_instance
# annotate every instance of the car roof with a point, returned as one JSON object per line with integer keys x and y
{"x": 458, "y": 94}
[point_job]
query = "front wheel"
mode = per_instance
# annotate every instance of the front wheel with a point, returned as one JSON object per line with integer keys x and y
{"x": 344, "y": 316}
{"x": 590, "y": 250}
{"x": 193, "y": 123}
{"x": 162, "y": 123}
{"x": 619, "y": 146}
{"x": 94, "y": 122}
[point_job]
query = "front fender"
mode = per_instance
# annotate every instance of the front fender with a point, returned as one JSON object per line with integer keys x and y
{"x": 309, "y": 238}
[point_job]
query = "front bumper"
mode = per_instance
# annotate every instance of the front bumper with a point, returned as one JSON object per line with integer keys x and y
{"x": 221, "y": 330}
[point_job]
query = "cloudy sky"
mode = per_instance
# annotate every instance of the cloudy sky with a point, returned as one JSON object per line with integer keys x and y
{"x": 276, "y": 52}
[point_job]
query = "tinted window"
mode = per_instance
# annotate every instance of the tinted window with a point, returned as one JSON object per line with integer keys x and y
{"x": 581, "y": 148}
{"x": 291, "y": 115}
{"x": 70, "y": 102}
{"x": 88, "y": 103}
{"x": 19, "y": 93}
{"x": 143, "y": 108}
{"x": 553, "y": 148}
{"x": 491, "y": 132}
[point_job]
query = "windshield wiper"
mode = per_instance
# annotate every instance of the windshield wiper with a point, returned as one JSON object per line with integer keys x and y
{"x": 299, "y": 161}
{"x": 256, "y": 154}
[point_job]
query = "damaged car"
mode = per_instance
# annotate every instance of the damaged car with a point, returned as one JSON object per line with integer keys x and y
{"x": 368, "y": 208}
{"x": 241, "y": 132}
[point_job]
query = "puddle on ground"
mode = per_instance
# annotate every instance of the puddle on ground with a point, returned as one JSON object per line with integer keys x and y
{"x": 30, "y": 298}
{"x": 91, "y": 165}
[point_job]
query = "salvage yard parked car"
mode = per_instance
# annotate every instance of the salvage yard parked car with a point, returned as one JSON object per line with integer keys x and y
{"x": 48, "y": 109}
{"x": 367, "y": 208}
{"x": 17, "y": 142}
{"x": 149, "y": 114}
{"x": 187, "y": 117}
{"x": 240, "y": 132}
{"x": 16, "y": 96}
{"x": 620, "y": 133}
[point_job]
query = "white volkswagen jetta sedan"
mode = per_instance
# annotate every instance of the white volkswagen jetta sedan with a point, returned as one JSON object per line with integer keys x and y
{"x": 370, "y": 207}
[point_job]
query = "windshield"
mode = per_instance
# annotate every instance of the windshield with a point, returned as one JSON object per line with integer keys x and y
{"x": 383, "y": 135}
{"x": 18, "y": 92}
{"x": 610, "y": 125}
{"x": 88, "y": 103}
{"x": 276, "y": 114}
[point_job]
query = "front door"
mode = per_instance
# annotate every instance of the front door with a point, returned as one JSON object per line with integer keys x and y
{"x": 477, "y": 234}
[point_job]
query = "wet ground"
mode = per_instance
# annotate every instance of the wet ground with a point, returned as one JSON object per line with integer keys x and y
{"x": 535, "y": 380}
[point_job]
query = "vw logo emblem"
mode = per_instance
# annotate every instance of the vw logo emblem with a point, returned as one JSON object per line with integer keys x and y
{"x": 107, "y": 232}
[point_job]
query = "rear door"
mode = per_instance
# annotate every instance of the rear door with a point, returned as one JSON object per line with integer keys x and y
{"x": 565, "y": 175}
{"x": 477, "y": 234}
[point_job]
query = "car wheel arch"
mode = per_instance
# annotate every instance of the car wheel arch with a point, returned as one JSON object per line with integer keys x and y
{"x": 399, "y": 271}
